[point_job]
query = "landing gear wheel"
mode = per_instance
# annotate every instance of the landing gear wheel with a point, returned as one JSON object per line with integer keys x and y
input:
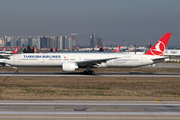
{"x": 85, "y": 72}
{"x": 16, "y": 69}
{"x": 90, "y": 72}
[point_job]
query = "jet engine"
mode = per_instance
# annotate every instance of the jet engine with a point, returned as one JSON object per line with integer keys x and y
{"x": 69, "y": 67}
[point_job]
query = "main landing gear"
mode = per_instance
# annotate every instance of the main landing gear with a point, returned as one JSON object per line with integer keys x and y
{"x": 89, "y": 71}
{"x": 16, "y": 69}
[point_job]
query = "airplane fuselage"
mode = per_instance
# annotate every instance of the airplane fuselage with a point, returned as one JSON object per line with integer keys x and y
{"x": 57, "y": 59}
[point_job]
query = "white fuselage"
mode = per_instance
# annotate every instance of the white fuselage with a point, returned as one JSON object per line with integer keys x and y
{"x": 57, "y": 59}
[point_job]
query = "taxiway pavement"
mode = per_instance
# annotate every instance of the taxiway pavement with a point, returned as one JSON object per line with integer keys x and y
{"x": 113, "y": 74}
{"x": 81, "y": 74}
{"x": 88, "y": 110}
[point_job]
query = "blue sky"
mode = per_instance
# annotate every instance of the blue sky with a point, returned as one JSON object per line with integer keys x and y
{"x": 131, "y": 21}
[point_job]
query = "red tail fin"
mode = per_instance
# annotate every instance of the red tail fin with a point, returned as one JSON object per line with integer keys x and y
{"x": 15, "y": 51}
{"x": 159, "y": 47}
{"x": 117, "y": 49}
{"x": 95, "y": 48}
{"x": 104, "y": 47}
{"x": 35, "y": 49}
{"x": 54, "y": 50}
{"x": 4, "y": 49}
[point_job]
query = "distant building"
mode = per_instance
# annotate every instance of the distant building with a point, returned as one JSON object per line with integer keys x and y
{"x": 69, "y": 43}
{"x": 14, "y": 41}
{"x": 48, "y": 41}
{"x": 93, "y": 41}
{"x": 51, "y": 42}
{"x": 36, "y": 41}
{"x": 7, "y": 40}
{"x": 64, "y": 42}
{"x": 100, "y": 41}
{"x": 2, "y": 42}
{"x": 23, "y": 41}
{"x": 30, "y": 41}
{"x": 59, "y": 42}
{"x": 43, "y": 42}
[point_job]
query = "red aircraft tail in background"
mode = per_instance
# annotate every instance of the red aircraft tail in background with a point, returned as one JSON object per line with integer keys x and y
{"x": 54, "y": 50}
{"x": 4, "y": 49}
{"x": 95, "y": 48}
{"x": 35, "y": 49}
{"x": 104, "y": 47}
{"x": 117, "y": 49}
{"x": 15, "y": 51}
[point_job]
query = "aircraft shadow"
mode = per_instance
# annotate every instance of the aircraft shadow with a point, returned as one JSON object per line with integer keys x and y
{"x": 82, "y": 73}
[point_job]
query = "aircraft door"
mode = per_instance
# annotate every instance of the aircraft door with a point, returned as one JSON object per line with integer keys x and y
{"x": 14, "y": 60}
{"x": 41, "y": 61}
{"x": 78, "y": 59}
{"x": 18, "y": 60}
{"x": 141, "y": 60}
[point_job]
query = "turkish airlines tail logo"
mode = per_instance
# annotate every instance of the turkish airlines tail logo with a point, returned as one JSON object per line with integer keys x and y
{"x": 118, "y": 48}
{"x": 54, "y": 50}
{"x": 15, "y": 51}
{"x": 159, "y": 47}
{"x": 4, "y": 49}
{"x": 104, "y": 47}
{"x": 35, "y": 49}
{"x": 95, "y": 48}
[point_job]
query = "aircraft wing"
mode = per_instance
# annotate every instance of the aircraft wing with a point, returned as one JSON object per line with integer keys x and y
{"x": 93, "y": 62}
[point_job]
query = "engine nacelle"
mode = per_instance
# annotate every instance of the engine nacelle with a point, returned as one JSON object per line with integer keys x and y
{"x": 69, "y": 67}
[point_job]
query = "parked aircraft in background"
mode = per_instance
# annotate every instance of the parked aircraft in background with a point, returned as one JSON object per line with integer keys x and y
{"x": 15, "y": 51}
{"x": 104, "y": 48}
{"x": 95, "y": 48}
{"x": 54, "y": 50}
{"x": 72, "y": 61}
{"x": 35, "y": 49}
{"x": 117, "y": 49}
{"x": 4, "y": 49}
{"x": 9, "y": 52}
{"x": 4, "y": 54}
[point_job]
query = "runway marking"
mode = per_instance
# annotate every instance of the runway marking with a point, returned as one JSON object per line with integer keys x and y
{"x": 88, "y": 113}
{"x": 97, "y": 75}
{"x": 134, "y": 117}
{"x": 6, "y": 78}
{"x": 96, "y": 104}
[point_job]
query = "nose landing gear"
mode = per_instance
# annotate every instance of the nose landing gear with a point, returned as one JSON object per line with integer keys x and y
{"x": 16, "y": 70}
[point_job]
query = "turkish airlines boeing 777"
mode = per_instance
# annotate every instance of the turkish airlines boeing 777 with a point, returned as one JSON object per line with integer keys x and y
{"x": 72, "y": 61}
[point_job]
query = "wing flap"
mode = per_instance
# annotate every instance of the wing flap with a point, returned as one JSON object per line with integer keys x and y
{"x": 93, "y": 62}
{"x": 158, "y": 60}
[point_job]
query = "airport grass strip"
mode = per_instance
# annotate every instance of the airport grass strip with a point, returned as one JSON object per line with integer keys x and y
{"x": 83, "y": 88}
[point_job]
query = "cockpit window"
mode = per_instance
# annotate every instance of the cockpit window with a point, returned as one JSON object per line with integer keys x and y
{"x": 8, "y": 58}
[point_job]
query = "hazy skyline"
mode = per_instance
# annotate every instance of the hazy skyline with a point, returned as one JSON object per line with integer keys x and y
{"x": 131, "y": 21}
